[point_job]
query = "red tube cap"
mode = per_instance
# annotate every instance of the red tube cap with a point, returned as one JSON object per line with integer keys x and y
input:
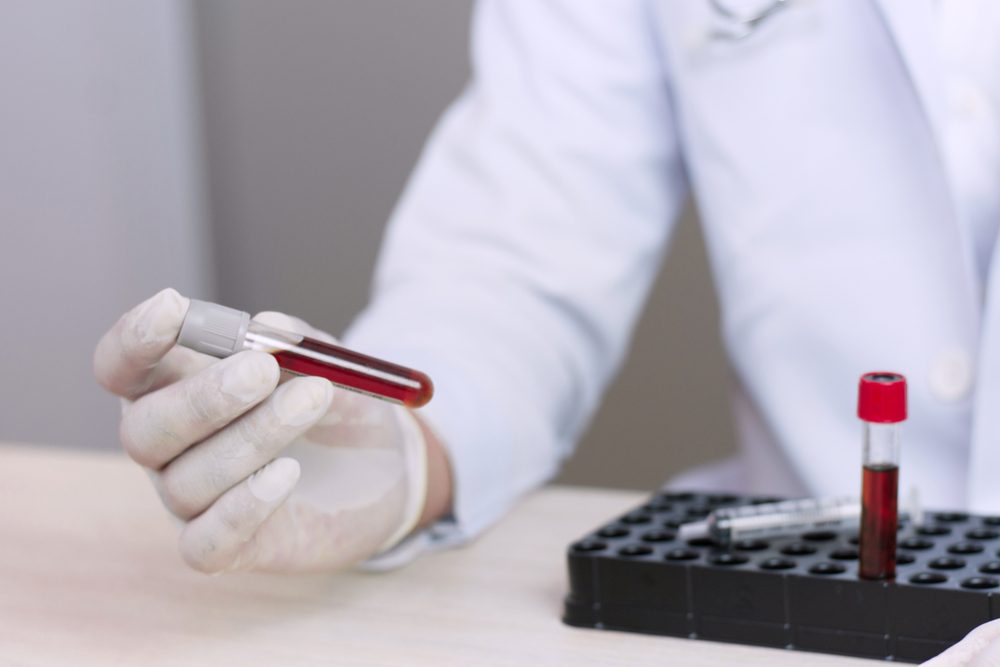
{"x": 882, "y": 397}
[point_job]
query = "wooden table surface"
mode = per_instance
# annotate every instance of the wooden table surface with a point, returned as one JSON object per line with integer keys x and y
{"x": 89, "y": 575}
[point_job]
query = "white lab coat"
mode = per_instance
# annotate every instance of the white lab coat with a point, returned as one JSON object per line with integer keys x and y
{"x": 523, "y": 248}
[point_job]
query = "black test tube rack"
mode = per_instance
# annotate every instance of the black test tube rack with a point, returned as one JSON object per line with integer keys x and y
{"x": 798, "y": 592}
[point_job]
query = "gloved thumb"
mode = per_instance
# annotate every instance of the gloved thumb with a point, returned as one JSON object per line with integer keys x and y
{"x": 296, "y": 325}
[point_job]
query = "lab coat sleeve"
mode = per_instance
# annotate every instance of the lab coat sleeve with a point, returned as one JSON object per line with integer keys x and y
{"x": 518, "y": 258}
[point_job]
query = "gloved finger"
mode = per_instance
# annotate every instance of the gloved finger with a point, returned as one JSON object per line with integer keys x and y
{"x": 349, "y": 422}
{"x": 177, "y": 364}
{"x": 293, "y": 324}
{"x": 223, "y": 537}
{"x": 980, "y": 647}
{"x": 199, "y": 476}
{"x": 358, "y": 421}
{"x": 160, "y": 425}
{"x": 129, "y": 352}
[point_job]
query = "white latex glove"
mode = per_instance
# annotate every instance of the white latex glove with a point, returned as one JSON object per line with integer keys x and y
{"x": 296, "y": 475}
{"x": 979, "y": 648}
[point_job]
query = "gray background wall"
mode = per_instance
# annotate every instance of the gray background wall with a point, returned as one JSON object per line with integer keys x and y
{"x": 101, "y": 197}
{"x": 304, "y": 120}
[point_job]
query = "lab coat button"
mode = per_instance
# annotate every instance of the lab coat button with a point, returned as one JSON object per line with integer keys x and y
{"x": 969, "y": 104}
{"x": 951, "y": 376}
{"x": 972, "y": 101}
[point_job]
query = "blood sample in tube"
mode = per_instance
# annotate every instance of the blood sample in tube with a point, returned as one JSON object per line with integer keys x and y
{"x": 882, "y": 409}
{"x": 221, "y": 331}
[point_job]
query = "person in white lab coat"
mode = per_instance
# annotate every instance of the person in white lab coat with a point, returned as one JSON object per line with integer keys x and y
{"x": 845, "y": 157}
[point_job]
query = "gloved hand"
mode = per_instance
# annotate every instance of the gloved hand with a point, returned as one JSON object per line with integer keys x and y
{"x": 979, "y": 648}
{"x": 265, "y": 474}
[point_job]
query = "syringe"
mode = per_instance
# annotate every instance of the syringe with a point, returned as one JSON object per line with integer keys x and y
{"x": 730, "y": 524}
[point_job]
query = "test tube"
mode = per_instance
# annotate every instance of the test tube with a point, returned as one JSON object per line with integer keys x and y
{"x": 220, "y": 331}
{"x": 881, "y": 408}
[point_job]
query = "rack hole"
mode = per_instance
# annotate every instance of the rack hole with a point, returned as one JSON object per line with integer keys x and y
{"x": 980, "y": 582}
{"x": 681, "y": 554}
{"x": 587, "y": 546}
{"x": 993, "y": 567}
{"x": 751, "y": 545}
{"x": 844, "y": 553}
{"x": 635, "y": 550}
{"x": 947, "y": 563}
{"x": 798, "y": 549}
{"x": 636, "y": 518}
{"x": 613, "y": 532}
{"x": 701, "y": 542}
{"x": 827, "y": 568}
{"x": 933, "y": 531}
{"x": 916, "y": 543}
{"x": 657, "y": 536}
{"x": 965, "y": 548}
{"x": 904, "y": 558}
{"x": 698, "y": 512}
{"x": 928, "y": 578}
{"x": 982, "y": 534}
{"x": 952, "y": 517}
{"x": 820, "y": 536}
{"x": 728, "y": 559}
{"x": 658, "y": 506}
{"x": 777, "y": 563}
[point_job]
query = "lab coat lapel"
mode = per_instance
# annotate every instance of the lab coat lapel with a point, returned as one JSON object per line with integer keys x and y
{"x": 910, "y": 24}
{"x": 984, "y": 490}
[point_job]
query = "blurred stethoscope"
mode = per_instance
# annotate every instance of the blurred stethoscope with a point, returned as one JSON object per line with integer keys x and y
{"x": 741, "y": 18}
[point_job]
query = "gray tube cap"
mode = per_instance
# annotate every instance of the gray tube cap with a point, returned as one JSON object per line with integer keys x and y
{"x": 213, "y": 329}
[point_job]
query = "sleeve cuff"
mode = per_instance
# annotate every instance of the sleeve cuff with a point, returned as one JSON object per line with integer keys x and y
{"x": 442, "y": 535}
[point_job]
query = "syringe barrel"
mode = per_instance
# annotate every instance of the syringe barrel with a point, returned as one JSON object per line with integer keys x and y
{"x": 783, "y": 518}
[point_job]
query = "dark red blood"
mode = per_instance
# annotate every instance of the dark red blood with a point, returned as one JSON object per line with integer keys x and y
{"x": 879, "y": 519}
{"x": 412, "y": 397}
